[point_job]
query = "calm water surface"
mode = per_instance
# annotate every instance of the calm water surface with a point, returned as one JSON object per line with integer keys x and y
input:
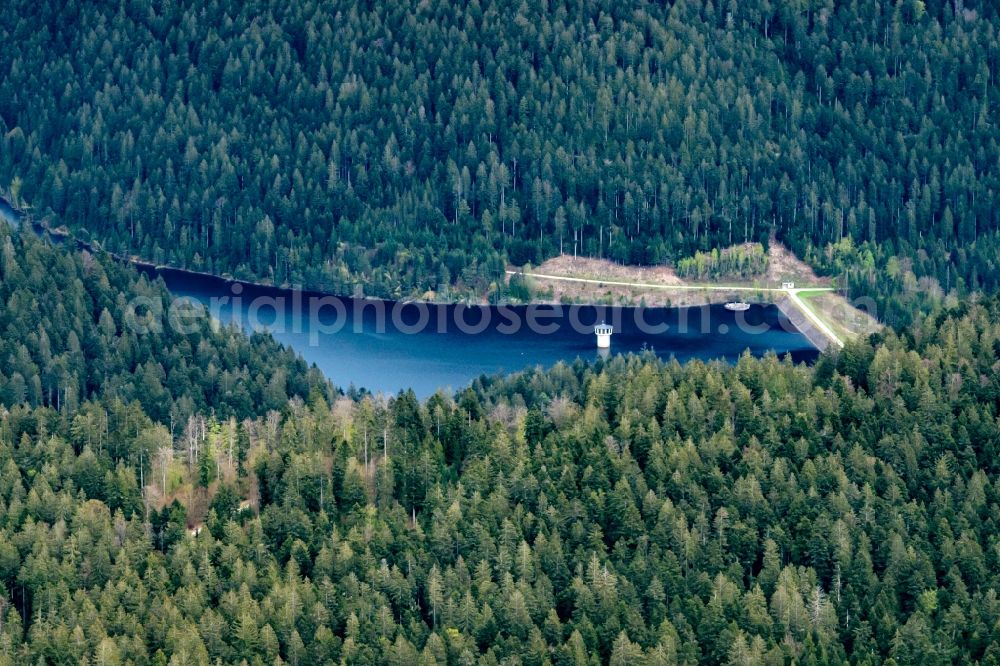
{"x": 374, "y": 345}
{"x": 8, "y": 213}
{"x": 386, "y": 347}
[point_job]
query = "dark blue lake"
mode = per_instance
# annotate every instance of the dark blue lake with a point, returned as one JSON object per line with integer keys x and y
{"x": 388, "y": 346}
{"x": 8, "y": 213}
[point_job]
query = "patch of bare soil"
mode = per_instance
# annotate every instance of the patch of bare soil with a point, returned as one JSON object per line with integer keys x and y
{"x": 553, "y": 291}
{"x": 783, "y": 266}
{"x": 657, "y": 294}
{"x": 846, "y": 319}
{"x": 602, "y": 269}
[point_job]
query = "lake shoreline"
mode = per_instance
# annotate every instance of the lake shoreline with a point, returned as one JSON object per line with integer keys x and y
{"x": 390, "y": 345}
{"x": 153, "y": 269}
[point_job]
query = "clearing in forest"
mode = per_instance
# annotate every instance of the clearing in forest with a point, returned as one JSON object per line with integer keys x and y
{"x": 813, "y": 302}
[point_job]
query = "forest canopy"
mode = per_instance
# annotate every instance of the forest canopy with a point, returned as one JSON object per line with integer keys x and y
{"x": 76, "y": 326}
{"x": 204, "y": 497}
{"x": 629, "y": 512}
{"x": 408, "y": 146}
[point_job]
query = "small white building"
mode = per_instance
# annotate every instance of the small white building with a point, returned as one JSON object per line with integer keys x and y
{"x": 788, "y": 285}
{"x": 603, "y": 332}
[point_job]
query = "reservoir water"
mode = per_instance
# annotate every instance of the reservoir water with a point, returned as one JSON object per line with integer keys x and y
{"x": 386, "y": 346}
{"x": 8, "y": 213}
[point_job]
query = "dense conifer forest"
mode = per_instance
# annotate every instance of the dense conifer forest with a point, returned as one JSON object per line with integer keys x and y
{"x": 629, "y": 512}
{"x": 194, "y": 495}
{"x": 411, "y": 145}
{"x": 74, "y": 326}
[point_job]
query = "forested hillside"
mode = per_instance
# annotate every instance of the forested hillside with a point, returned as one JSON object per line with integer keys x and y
{"x": 409, "y": 145}
{"x": 74, "y": 326}
{"x": 632, "y": 512}
{"x": 175, "y": 492}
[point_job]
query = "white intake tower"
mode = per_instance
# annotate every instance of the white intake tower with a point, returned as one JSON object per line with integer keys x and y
{"x": 603, "y": 332}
